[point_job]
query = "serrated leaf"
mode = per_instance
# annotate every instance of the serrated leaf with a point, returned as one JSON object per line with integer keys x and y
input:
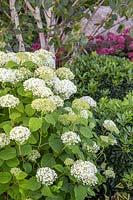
{"x": 49, "y": 118}
{"x": 35, "y": 124}
{"x": 80, "y": 192}
{"x": 8, "y": 154}
{"x": 12, "y": 162}
{"x": 22, "y": 175}
{"x": 15, "y": 115}
{"x": 55, "y": 143}
{"x": 29, "y": 110}
{"x": 86, "y": 132}
{"x": 26, "y": 149}
{"x": 46, "y": 191}
{"x": 5, "y": 177}
{"x": 47, "y": 160}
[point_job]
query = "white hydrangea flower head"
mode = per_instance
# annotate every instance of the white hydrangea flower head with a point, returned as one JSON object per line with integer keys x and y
{"x": 70, "y": 138}
{"x": 84, "y": 114}
{"x": 58, "y": 101}
{"x": 45, "y": 73}
{"x": 44, "y": 105}
{"x": 9, "y": 101}
{"x": 91, "y": 149}
{"x": 26, "y": 72}
{"x": 11, "y": 75}
{"x": 65, "y": 88}
{"x": 108, "y": 140}
{"x": 46, "y": 175}
{"x": 12, "y": 57}
{"x": 109, "y": 173}
{"x": 64, "y": 73}
{"x": 68, "y": 109}
{"x": 23, "y": 57}
{"x": 90, "y": 101}
{"x": 20, "y": 134}
{"x": 15, "y": 171}
{"x": 4, "y": 140}
{"x": 84, "y": 171}
{"x": 54, "y": 81}
{"x": 34, "y": 155}
{"x": 38, "y": 87}
{"x": 110, "y": 126}
{"x": 3, "y": 58}
{"x": 80, "y": 104}
{"x": 46, "y": 58}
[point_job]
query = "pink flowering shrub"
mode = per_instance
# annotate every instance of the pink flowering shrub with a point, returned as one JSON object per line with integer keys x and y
{"x": 120, "y": 44}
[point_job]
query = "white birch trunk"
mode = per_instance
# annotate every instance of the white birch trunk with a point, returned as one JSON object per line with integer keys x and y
{"x": 15, "y": 20}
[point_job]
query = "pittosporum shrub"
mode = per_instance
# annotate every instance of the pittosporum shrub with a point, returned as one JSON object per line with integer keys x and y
{"x": 49, "y": 150}
{"x": 119, "y": 156}
{"x": 101, "y": 76}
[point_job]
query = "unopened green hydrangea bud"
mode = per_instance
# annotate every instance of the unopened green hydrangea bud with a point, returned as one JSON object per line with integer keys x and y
{"x": 70, "y": 118}
{"x": 108, "y": 140}
{"x": 15, "y": 171}
{"x": 4, "y": 140}
{"x": 109, "y": 173}
{"x": 64, "y": 73}
{"x": 44, "y": 105}
{"x": 68, "y": 161}
{"x": 80, "y": 104}
{"x": 45, "y": 73}
{"x": 34, "y": 155}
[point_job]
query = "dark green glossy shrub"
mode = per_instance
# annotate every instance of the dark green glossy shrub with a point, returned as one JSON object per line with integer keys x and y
{"x": 119, "y": 156}
{"x": 100, "y": 76}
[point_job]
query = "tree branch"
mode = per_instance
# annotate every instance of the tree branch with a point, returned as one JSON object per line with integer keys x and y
{"x": 50, "y": 20}
{"x": 36, "y": 14}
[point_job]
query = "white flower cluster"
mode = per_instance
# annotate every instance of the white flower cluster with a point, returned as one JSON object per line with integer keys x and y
{"x": 110, "y": 126}
{"x": 90, "y": 101}
{"x": 68, "y": 109}
{"x": 9, "y": 101}
{"x": 70, "y": 138}
{"x": 4, "y": 140}
{"x": 40, "y": 57}
{"x": 3, "y": 58}
{"x": 46, "y": 175}
{"x": 38, "y": 87}
{"x": 57, "y": 100}
{"x": 64, "y": 87}
{"x": 109, "y": 173}
{"x": 84, "y": 114}
{"x": 91, "y": 149}
{"x": 84, "y": 171}
{"x": 34, "y": 155}
{"x": 11, "y": 75}
{"x": 20, "y": 134}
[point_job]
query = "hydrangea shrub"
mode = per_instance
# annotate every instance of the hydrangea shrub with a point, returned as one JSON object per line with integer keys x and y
{"x": 47, "y": 149}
